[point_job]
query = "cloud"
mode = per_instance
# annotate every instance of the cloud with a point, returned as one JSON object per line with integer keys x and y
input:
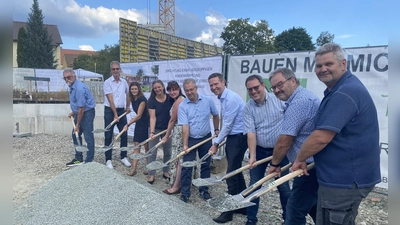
{"x": 86, "y": 48}
{"x": 216, "y": 23}
{"x": 345, "y": 36}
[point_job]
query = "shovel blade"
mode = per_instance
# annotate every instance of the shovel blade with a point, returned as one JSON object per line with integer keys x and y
{"x": 156, "y": 165}
{"x": 191, "y": 163}
{"x": 103, "y": 149}
{"x": 206, "y": 181}
{"x": 99, "y": 131}
{"x": 124, "y": 149}
{"x": 81, "y": 148}
{"x": 228, "y": 203}
{"x": 138, "y": 156}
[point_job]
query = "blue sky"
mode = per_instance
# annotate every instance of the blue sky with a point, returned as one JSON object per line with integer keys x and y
{"x": 90, "y": 24}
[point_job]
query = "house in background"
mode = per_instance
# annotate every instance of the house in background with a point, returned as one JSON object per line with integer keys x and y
{"x": 52, "y": 31}
{"x": 69, "y": 55}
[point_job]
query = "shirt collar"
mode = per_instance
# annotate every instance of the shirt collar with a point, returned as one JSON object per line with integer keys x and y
{"x": 338, "y": 83}
{"x": 224, "y": 94}
{"x": 297, "y": 90}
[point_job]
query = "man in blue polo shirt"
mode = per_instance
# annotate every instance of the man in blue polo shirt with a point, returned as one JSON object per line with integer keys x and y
{"x": 82, "y": 106}
{"x": 345, "y": 143}
{"x": 297, "y": 125}
{"x": 194, "y": 116}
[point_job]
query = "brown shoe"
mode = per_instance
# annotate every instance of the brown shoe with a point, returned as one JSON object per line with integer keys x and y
{"x": 172, "y": 193}
{"x": 145, "y": 172}
{"x": 131, "y": 173}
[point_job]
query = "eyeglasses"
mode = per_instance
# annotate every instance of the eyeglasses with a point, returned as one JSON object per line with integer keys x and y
{"x": 280, "y": 84}
{"x": 67, "y": 77}
{"x": 255, "y": 88}
{"x": 115, "y": 68}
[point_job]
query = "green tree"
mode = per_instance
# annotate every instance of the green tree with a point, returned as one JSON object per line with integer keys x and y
{"x": 39, "y": 51}
{"x": 294, "y": 39}
{"x": 324, "y": 37}
{"x": 242, "y": 38}
{"x": 154, "y": 69}
{"x": 84, "y": 61}
{"x": 139, "y": 74}
{"x": 21, "y": 48}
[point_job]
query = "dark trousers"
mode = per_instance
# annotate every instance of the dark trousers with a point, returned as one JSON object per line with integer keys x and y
{"x": 235, "y": 148}
{"x": 86, "y": 127}
{"x": 303, "y": 199}
{"x": 339, "y": 206}
{"x": 259, "y": 172}
{"x": 186, "y": 175}
{"x": 108, "y": 136}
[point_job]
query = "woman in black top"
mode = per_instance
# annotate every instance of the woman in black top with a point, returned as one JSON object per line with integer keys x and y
{"x": 141, "y": 120}
{"x": 159, "y": 106}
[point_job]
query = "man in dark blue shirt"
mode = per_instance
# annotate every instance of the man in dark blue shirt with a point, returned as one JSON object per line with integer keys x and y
{"x": 345, "y": 143}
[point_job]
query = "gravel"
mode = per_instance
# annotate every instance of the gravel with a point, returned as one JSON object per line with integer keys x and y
{"x": 45, "y": 191}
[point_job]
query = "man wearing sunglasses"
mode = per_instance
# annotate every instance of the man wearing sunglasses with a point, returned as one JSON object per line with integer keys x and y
{"x": 297, "y": 125}
{"x": 263, "y": 115}
{"x": 82, "y": 106}
{"x": 116, "y": 102}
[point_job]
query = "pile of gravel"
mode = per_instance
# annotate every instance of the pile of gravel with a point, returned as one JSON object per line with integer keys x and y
{"x": 93, "y": 194}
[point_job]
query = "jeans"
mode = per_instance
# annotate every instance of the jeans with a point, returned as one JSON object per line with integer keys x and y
{"x": 108, "y": 136}
{"x": 339, "y": 206}
{"x": 259, "y": 172}
{"x": 303, "y": 200}
{"x": 236, "y": 146}
{"x": 86, "y": 127}
{"x": 166, "y": 150}
{"x": 186, "y": 174}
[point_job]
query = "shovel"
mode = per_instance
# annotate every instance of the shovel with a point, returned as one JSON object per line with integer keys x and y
{"x": 147, "y": 154}
{"x": 78, "y": 147}
{"x": 202, "y": 160}
{"x": 106, "y": 148}
{"x": 145, "y": 141}
{"x": 109, "y": 125}
{"x": 155, "y": 165}
{"x": 225, "y": 204}
{"x": 217, "y": 180}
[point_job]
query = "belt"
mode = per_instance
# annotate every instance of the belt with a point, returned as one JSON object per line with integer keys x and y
{"x": 234, "y": 135}
{"x": 115, "y": 108}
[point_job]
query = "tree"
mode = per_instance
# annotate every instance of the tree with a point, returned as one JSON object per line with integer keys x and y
{"x": 39, "y": 51}
{"x": 242, "y": 38}
{"x": 294, "y": 39}
{"x": 154, "y": 69}
{"x": 324, "y": 37}
{"x": 102, "y": 60}
{"x": 21, "y": 48}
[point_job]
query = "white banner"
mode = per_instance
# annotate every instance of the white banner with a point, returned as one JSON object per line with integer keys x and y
{"x": 369, "y": 64}
{"x": 172, "y": 70}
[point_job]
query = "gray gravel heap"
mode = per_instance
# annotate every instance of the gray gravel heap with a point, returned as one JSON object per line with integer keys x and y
{"x": 93, "y": 194}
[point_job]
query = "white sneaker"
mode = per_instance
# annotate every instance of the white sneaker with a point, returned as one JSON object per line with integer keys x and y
{"x": 126, "y": 162}
{"x": 109, "y": 164}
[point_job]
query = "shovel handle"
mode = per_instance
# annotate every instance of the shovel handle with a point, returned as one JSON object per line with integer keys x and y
{"x": 158, "y": 144}
{"x": 190, "y": 149}
{"x": 73, "y": 125}
{"x": 263, "y": 180}
{"x": 149, "y": 139}
{"x": 245, "y": 168}
{"x": 114, "y": 121}
{"x": 278, "y": 182}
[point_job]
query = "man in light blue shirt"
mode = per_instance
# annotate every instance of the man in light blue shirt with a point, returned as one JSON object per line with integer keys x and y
{"x": 297, "y": 125}
{"x": 236, "y": 142}
{"x": 263, "y": 115}
{"x": 194, "y": 116}
{"x": 82, "y": 106}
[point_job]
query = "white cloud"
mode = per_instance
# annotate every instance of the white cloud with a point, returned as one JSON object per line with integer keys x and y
{"x": 345, "y": 36}
{"x": 216, "y": 23}
{"x": 86, "y": 48}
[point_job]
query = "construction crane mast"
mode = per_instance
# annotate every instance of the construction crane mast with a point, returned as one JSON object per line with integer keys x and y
{"x": 166, "y": 15}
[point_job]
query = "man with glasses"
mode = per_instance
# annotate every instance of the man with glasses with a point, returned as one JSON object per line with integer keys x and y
{"x": 83, "y": 106}
{"x": 297, "y": 125}
{"x": 263, "y": 115}
{"x": 345, "y": 142}
{"x": 236, "y": 142}
{"x": 116, "y": 102}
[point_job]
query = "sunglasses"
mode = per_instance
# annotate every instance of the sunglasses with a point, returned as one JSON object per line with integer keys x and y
{"x": 255, "y": 88}
{"x": 115, "y": 68}
{"x": 67, "y": 78}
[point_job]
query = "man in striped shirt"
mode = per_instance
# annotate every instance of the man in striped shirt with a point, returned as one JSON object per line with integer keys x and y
{"x": 263, "y": 115}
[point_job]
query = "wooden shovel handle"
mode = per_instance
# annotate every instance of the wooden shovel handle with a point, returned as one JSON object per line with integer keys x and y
{"x": 114, "y": 121}
{"x": 149, "y": 139}
{"x": 194, "y": 147}
{"x": 263, "y": 180}
{"x": 279, "y": 182}
{"x": 73, "y": 126}
{"x": 245, "y": 168}
{"x": 159, "y": 144}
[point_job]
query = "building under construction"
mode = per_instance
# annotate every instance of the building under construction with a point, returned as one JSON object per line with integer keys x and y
{"x": 139, "y": 44}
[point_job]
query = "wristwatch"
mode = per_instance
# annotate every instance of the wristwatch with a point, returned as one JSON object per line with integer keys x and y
{"x": 216, "y": 130}
{"x": 216, "y": 144}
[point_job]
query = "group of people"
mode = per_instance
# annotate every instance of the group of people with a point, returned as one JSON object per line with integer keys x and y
{"x": 339, "y": 134}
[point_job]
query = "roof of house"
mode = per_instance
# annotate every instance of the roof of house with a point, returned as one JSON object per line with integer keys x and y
{"x": 51, "y": 29}
{"x": 69, "y": 55}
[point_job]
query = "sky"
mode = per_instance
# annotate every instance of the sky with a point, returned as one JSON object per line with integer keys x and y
{"x": 92, "y": 24}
